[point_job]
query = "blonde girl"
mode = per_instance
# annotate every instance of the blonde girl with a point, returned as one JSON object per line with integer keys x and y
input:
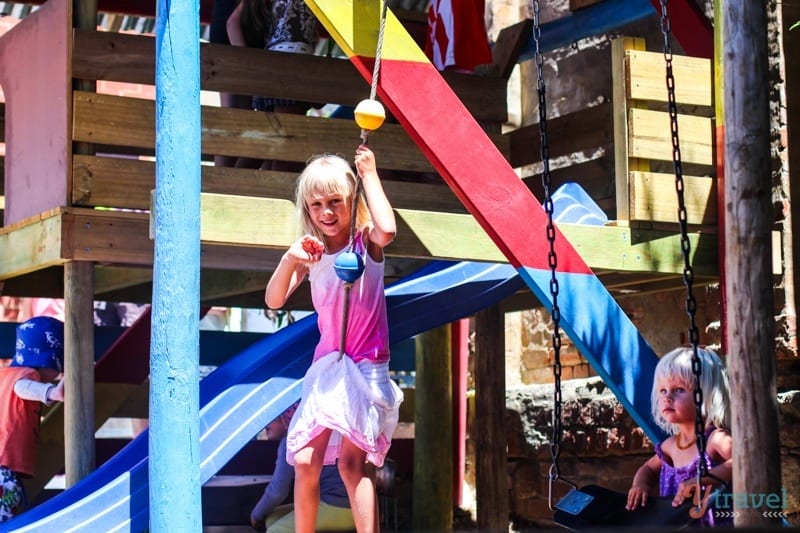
{"x": 672, "y": 471}
{"x": 350, "y": 406}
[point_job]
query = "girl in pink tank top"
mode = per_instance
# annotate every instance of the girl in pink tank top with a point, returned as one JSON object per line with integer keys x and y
{"x": 349, "y": 407}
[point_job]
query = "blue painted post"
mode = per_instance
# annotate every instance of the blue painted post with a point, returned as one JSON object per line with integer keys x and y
{"x": 174, "y": 466}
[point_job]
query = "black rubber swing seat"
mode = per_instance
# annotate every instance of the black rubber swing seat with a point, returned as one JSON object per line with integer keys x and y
{"x": 606, "y": 510}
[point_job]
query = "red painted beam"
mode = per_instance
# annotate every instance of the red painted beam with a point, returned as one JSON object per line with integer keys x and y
{"x": 690, "y": 27}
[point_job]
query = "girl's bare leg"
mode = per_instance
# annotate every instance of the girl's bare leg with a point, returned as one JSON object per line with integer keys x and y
{"x": 307, "y": 468}
{"x": 359, "y": 480}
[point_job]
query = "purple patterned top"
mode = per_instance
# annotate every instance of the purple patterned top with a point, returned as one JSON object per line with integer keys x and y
{"x": 671, "y": 477}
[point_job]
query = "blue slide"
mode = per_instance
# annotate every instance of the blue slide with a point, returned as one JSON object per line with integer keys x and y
{"x": 252, "y": 389}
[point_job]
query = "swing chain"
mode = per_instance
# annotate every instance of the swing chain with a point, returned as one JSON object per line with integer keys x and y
{"x": 552, "y": 259}
{"x": 688, "y": 272}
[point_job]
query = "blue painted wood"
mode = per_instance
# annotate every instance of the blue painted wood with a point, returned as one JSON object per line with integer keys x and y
{"x": 174, "y": 436}
{"x": 594, "y": 20}
{"x": 606, "y": 337}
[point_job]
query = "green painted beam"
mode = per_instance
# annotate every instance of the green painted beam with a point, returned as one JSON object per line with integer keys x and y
{"x": 31, "y": 245}
{"x": 247, "y": 221}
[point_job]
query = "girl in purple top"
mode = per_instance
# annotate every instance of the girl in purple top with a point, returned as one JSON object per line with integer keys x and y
{"x": 672, "y": 471}
{"x": 350, "y": 406}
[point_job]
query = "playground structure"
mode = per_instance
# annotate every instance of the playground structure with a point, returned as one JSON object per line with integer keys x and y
{"x": 54, "y": 222}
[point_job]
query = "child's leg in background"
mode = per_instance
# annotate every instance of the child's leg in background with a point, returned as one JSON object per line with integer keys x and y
{"x": 359, "y": 480}
{"x": 12, "y": 494}
{"x": 307, "y": 468}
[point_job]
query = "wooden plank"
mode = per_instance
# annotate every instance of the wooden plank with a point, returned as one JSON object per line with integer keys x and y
{"x": 646, "y": 78}
{"x": 238, "y": 70}
{"x": 650, "y": 137}
{"x": 567, "y": 134}
{"x": 250, "y": 223}
{"x": 123, "y": 238}
{"x": 107, "y": 236}
{"x": 115, "y": 237}
{"x": 509, "y": 45}
{"x": 40, "y": 43}
{"x": 491, "y": 485}
{"x": 653, "y": 198}
{"x": 453, "y": 236}
{"x": 79, "y": 368}
{"x": 433, "y": 439}
{"x": 623, "y": 165}
{"x": 30, "y": 245}
{"x": 596, "y": 177}
{"x": 126, "y": 183}
{"x": 112, "y": 278}
{"x": 120, "y": 121}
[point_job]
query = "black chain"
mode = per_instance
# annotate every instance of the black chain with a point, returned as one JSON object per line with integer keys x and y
{"x": 552, "y": 259}
{"x": 688, "y": 272}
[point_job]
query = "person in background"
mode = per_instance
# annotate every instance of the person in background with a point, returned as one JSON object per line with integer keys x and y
{"x": 276, "y": 25}
{"x": 268, "y": 514}
{"x": 25, "y": 385}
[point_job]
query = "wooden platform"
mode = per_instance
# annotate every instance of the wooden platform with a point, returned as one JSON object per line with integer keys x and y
{"x": 97, "y": 206}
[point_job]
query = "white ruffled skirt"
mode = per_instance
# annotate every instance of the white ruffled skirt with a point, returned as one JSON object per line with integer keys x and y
{"x": 358, "y": 401}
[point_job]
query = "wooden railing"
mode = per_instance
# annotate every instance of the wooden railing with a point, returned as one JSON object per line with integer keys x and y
{"x": 645, "y": 179}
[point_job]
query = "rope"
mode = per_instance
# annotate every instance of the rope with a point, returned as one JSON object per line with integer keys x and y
{"x": 376, "y": 68}
{"x": 357, "y": 187}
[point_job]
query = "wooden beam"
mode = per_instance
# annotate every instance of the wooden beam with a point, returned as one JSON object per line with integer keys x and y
{"x": 491, "y": 483}
{"x": 623, "y": 164}
{"x": 130, "y": 122}
{"x": 110, "y": 278}
{"x": 250, "y": 71}
{"x": 650, "y": 137}
{"x": 79, "y": 404}
{"x": 646, "y": 73}
{"x": 653, "y": 198}
{"x": 509, "y": 45}
{"x": 425, "y": 234}
{"x": 433, "y": 435}
{"x": 567, "y": 134}
{"x": 126, "y": 183}
{"x": 117, "y": 237}
{"x": 31, "y": 245}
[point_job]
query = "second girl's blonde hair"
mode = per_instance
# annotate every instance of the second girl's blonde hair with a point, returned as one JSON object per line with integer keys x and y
{"x": 327, "y": 174}
{"x": 713, "y": 383}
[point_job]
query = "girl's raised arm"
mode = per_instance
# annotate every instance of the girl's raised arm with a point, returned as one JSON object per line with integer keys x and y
{"x": 234, "y": 27}
{"x": 384, "y": 226}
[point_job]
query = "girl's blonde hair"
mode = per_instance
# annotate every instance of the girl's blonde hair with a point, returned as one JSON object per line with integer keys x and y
{"x": 713, "y": 382}
{"x": 327, "y": 174}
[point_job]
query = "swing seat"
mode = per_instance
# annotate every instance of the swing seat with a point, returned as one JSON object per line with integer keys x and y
{"x": 594, "y": 508}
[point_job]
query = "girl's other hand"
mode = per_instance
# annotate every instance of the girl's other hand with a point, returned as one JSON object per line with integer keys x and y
{"x": 307, "y": 249}
{"x": 637, "y": 497}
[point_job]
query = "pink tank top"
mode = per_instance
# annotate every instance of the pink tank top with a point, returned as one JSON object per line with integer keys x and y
{"x": 367, "y": 326}
{"x": 19, "y": 422}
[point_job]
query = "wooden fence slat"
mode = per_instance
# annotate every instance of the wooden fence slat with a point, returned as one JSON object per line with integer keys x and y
{"x": 647, "y": 78}
{"x": 126, "y": 183}
{"x": 131, "y": 58}
{"x": 654, "y": 199}
{"x": 649, "y": 137}
{"x": 130, "y": 122}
